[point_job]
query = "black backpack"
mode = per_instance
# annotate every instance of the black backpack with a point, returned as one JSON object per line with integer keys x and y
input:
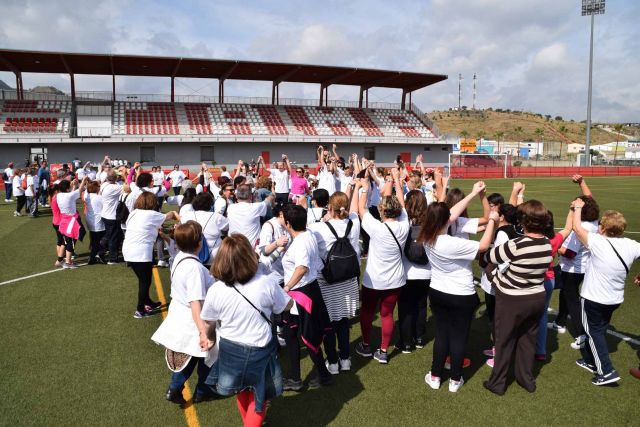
{"x": 342, "y": 260}
{"x": 122, "y": 211}
{"x": 413, "y": 250}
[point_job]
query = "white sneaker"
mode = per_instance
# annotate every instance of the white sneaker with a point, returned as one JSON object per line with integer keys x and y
{"x": 554, "y": 326}
{"x": 281, "y": 341}
{"x": 7, "y": 200}
{"x": 433, "y": 382}
{"x": 163, "y": 263}
{"x": 454, "y": 386}
{"x": 579, "y": 342}
{"x": 332, "y": 368}
{"x": 70, "y": 265}
{"x": 345, "y": 364}
{"x": 16, "y": 213}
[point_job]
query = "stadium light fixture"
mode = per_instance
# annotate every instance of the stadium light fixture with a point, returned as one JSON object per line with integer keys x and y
{"x": 590, "y": 8}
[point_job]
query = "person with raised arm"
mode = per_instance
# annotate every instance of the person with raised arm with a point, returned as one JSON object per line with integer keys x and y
{"x": 281, "y": 176}
{"x": 612, "y": 256}
{"x": 384, "y": 274}
{"x": 70, "y": 226}
{"x": 326, "y": 171}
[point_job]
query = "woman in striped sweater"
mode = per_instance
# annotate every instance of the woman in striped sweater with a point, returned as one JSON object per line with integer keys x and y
{"x": 520, "y": 297}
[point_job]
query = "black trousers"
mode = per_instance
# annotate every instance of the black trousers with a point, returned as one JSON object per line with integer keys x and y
{"x": 96, "y": 244}
{"x": 291, "y": 337}
{"x": 20, "y": 202}
{"x": 340, "y": 332}
{"x": 515, "y": 331}
{"x": 373, "y": 210}
{"x": 143, "y": 271}
{"x": 113, "y": 234}
{"x": 595, "y": 319}
{"x": 412, "y": 311}
{"x": 282, "y": 198}
{"x": 570, "y": 302}
{"x": 453, "y": 314}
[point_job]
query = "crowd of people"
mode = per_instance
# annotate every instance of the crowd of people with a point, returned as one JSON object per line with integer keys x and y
{"x": 267, "y": 259}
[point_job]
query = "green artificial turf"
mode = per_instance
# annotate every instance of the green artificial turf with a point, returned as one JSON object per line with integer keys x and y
{"x": 71, "y": 353}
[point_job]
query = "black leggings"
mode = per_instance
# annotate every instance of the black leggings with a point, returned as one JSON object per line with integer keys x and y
{"x": 20, "y": 202}
{"x": 97, "y": 246}
{"x": 373, "y": 210}
{"x": 339, "y": 330}
{"x": 570, "y": 302}
{"x": 412, "y": 311}
{"x": 453, "y": 314}
{"x": 291, "y": 334}
{"x": 143, "y": 271}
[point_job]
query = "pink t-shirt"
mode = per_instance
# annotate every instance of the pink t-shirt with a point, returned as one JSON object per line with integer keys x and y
{"x": 556, "y": 242}
{"x": 299, "y": 185}
{"x": 55, "y": 210}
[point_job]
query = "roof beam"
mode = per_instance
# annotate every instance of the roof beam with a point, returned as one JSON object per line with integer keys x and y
{"x": 283, "y": 77}
{"x": 66, "y": 65}
{"x": 338, "y": 78}
{"x": 415, "y": 87}
{"x": 9, "y": 64}
{"x": 176, "y": 68}
{"x": 227, "y": 73}
{"x": 380, "y": 81}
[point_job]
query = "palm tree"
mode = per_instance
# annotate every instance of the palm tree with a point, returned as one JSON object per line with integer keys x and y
{"x": 464, "y": 133}
{"x": 618, "y": 128}
{"x": 563, "y": 130}
{"x": 480, "y": 136}
{"x": 518, "y": 130}
{"x": 498, "y": 135}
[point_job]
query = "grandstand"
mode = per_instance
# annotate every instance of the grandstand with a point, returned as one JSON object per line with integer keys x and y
{"x": 189, "y": 129}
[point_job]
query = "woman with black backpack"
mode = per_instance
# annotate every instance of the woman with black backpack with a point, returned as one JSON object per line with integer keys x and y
{"x": 339, "y": 251}
{"x": 412, "y": 302}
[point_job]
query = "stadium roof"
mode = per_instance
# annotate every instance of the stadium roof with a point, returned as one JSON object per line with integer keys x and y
{"x": 22, "y": 61}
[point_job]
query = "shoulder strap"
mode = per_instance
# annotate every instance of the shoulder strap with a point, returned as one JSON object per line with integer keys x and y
{"x": 174, "y": 267}
{"x": 394, "y": 238}
{"x": 264, "y": 316}
{"x": 619, "y": 257}
{"x": 333, "y": 230}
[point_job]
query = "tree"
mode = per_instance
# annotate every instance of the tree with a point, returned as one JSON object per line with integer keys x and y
{"x": 518, "y": 131}
{"x": 499, "y": 135}
{"x": 464, "y": 134}
{"x": 618, "y": 128}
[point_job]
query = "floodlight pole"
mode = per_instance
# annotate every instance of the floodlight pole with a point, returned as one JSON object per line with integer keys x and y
{"x": 587, "y": 145}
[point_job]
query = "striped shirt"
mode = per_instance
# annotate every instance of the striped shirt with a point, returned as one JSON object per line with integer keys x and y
{"x": 528, "y": 259}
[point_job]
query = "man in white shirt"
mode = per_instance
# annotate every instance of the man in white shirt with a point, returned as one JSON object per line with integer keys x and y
{"x": 280, "y": 176}
{"x": 176, "y": 177}
{"x": 31, "y": 193}
{"x": 8, "y": 182}
{"x": 110, "y": 192}
{"x": 244, "y": 216}
{"x": 18, "y": 191}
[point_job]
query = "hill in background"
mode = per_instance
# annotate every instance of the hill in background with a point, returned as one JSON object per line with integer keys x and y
{"x": 520, "y": 126}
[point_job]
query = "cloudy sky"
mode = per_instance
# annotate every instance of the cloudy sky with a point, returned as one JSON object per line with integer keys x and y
{"x": 528, "y": 54}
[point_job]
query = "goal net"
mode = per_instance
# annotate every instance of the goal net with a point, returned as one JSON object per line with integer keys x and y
{"x": 467, "y": 165}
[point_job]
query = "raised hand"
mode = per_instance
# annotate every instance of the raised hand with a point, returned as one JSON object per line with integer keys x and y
{"x": 479, "y": 187}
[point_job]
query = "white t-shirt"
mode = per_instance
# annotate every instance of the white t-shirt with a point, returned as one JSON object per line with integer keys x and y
{"x": 220, "y": 206}
{"x": 577, "y": 264}
{"x": 81, "y": 173}
{"x": 93, "y": 215}
{"x": 158, "y": 178}
{"x": 244, "y": 218}
{"x": 464, "y": 226}
{"x": 605, "y": 275}
{"x": 17, "y": 186}
{"x": 110, "y": 196}
{"x": 451, "y": 260}
{"x": 185, "y": 209}
{"x": 314, "y": 215}
{"x": 9, "y": 173}
{"x": 142, "y": 231}
{"x": 303, "y": 251}
{"x": 384, "y": 268}
{"x": 137, "y": 191}
{"x": 374, "y": 192}
{"x": 325, "y": 238}
{"x": 67, "y": 202}
{"x": 212, "y": 224}
{"x": 92, "y": 174}
{"x": 281, "y": 180}
{"x": 176, "y": 177}
{"x": 30, "y": 191}
{"x": 272, "y": 231}
{"x": 485, "y": 284}
{"x": 239, "y": 321}
{"x": 327, "y": 180}
{"x": 190, "y": 280}
{"x": 103, "y": 176}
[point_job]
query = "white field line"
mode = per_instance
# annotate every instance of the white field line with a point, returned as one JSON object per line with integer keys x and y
{"x": 36, "y": 275}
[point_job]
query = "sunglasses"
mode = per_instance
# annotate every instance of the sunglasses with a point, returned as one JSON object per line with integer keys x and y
{"x": 300, "y": 171}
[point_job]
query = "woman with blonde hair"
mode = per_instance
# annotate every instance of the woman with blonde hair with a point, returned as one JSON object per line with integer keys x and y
{"x": 237, "y": 308}
{"x": 384, "y": 274}
{"x": 612, "y": 256}
{"x": 341, "y": 296}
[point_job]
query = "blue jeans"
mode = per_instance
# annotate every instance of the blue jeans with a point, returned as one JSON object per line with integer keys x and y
{"x": 43, "y": 196}
{"x": 541, "y": 342}
{"x": 179, "y": 378}
{"x": 8, "y": 188}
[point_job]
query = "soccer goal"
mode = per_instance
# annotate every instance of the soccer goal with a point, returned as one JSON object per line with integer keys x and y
{"x": 467, "y": 165}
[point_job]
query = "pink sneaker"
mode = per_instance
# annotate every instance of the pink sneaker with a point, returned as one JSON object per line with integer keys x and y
{"x": 490, "y": 362}
{"x": 490, "y": 352}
